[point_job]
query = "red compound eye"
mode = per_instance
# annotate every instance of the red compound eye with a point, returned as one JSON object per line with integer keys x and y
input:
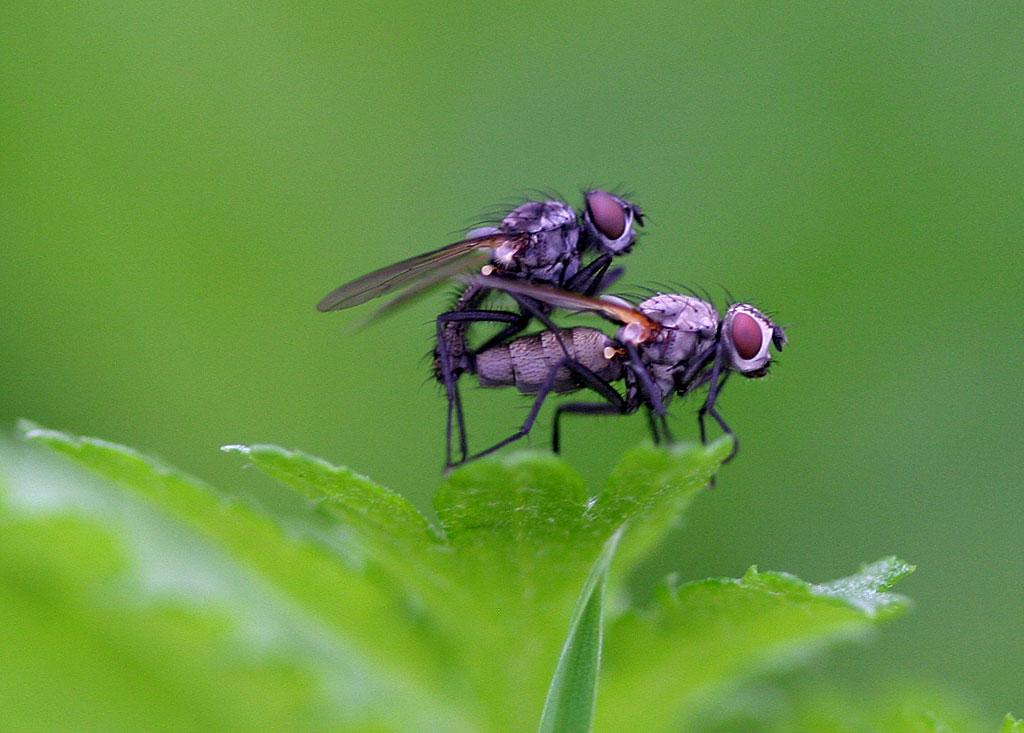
{"x": 608, "y": 215}
{"x": 746, "y": 336}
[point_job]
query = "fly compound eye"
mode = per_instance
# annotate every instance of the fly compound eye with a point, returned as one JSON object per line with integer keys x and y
{"x": 746, "y": 336}
{"x": 607, "y": 213}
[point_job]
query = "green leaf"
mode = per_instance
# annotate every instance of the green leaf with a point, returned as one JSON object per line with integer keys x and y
{"x": 1012, "y": 725}
{"x": 811, "y": 707}
{"x": 651, "y": 488}
{"x": 868, "y": 589}
{"x": 348, "y": 611}
{"x": 393, "y": 622}
{"x": 353, "y": 499}
{"x": 383, "y": 524}
{"x": 665, "y": 662}
{"x": 519, "y": 536}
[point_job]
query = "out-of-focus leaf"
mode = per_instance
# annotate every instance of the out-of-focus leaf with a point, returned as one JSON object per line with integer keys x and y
{"x": 1012, "y": 725}
{"x": 518, "y": 538}
{"x": 664, "y": 663}
{"x": 812, "y": 707}
{"x": 349, "y": 613}
{"x": 391, "y": 622}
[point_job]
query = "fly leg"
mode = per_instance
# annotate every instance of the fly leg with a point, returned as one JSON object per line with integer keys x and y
{"x": 708, "y": 408}
{"x": 527, "y": 309}
{"x": 659, "y": 417}
{"x": 542, "y": 394}
{"x": 581, "y": 408}
{"x": 590, "y": 279}
{"x": 652, "y": 424}
{"x": 606, "y": 281}
{"x": 514, "y": 327}
{"x": 615, "y": 404}
{"x": 447, "y": 371}
{"x": 516, "y": 322}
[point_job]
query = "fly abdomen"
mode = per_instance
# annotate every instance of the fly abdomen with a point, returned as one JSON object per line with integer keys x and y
{"x": 526, "y": 362}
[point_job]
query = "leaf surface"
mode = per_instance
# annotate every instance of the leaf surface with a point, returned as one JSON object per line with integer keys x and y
{"x": 380, "y": 619}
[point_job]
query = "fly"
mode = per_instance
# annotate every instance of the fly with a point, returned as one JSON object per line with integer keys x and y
{"x": 538, "y": 242}
{"x": 667, "y": 345}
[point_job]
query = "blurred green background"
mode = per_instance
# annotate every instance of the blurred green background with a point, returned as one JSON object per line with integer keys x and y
{"x": 181, "y": 184}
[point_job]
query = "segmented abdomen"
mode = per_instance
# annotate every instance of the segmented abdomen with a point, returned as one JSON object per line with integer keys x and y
{"x": 526, "y": 362}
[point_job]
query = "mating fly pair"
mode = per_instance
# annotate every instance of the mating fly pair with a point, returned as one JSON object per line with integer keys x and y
{"x": 666, "y": 345}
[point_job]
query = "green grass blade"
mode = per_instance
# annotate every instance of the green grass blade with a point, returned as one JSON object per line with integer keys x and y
{"x": 573, "y": 693}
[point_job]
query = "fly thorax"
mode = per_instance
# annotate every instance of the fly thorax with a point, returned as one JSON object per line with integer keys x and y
{"x": 688, "y": 325}
{"x": 664, "y": 377}
{"x": 551, "y": 254}
{"x": 682, "y": 312}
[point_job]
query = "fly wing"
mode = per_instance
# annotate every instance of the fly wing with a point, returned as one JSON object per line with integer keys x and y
{"x": 442, "y": 273}
{"x": 452, "y": 259}
{"x": 617, "y": 311}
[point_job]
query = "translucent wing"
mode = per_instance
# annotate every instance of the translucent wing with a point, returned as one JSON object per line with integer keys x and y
{"x": 617, "y": 311}
{"x": 451, "y": 260}
{"x": 441, "y": 274}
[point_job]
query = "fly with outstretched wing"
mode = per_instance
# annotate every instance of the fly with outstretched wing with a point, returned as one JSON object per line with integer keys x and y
{"x": 544, "y": 242}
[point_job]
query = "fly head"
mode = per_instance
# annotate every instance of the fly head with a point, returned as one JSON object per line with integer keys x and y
{"x": 747, "y": 335}
{"x": 609, "y": 222}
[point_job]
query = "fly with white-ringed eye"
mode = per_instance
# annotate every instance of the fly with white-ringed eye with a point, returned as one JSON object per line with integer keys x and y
{"x": 667, "y": 345}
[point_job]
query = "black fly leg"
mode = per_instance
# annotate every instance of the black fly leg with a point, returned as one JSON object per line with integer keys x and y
{"x": 665, "y": 430}
{"x": 653, "y": 425}
{"x": 589, "y": 279}
{"x": 609, "y": 279}
{"x": 709, "y": 402}
{"x": 446, "y": 367}
{"x": 527, "y": 425}
{"x": 595, "y": 277}
{"x": 728, "y": 431}
{"x": 708, "y": 408}
{"x": 651, "y": 392}
{"x": 513, "y": 328}
{"x": 615, "y": 404}
{"x": 538, "y": 311}
{"x": 694, "y": 377}
{"x": 542, "y": 394}
{"x": 581, "y": 408}
{"x": 527, "y": 309}
{"x": 516, "y": 322}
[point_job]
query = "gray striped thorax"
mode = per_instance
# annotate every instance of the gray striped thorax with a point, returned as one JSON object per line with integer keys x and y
{"x": 552, "y": 253}
{"x": 688, "y": 329}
